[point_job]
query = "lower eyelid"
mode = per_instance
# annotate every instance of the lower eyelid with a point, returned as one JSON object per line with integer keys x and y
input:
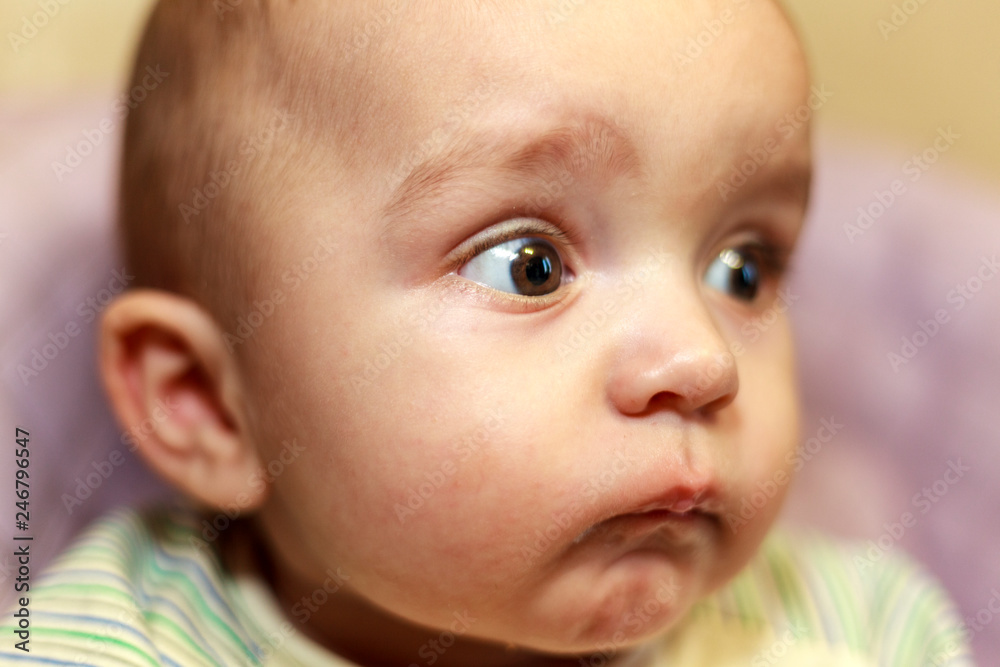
{"x": 504, "y": 301}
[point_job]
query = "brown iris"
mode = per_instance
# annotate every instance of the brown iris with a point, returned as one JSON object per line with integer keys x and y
{"x": 537, "y": 269}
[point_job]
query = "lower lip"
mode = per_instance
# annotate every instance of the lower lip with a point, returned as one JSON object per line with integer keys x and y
{"x": 666, "y": 515}
{"x": 655, "y": 530}
{"x": 655, "y": 520}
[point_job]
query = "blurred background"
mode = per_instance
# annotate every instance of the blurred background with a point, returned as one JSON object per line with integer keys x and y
{"x": 900, "y": 72}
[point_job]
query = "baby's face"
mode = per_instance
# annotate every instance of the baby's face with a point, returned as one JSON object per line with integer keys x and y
{"x": 547, "y": 366}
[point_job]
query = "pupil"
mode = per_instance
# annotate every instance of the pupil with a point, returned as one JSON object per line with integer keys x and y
{"x": 746, "y": 281}
{"x": 538, "y": 270}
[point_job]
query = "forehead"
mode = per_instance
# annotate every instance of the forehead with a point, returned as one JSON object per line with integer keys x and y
{"x": 421, "y": 79}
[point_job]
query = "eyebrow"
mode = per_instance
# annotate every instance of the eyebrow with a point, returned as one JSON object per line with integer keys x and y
{"x": 589, "y": 148}
{"x": 793, "y": 181}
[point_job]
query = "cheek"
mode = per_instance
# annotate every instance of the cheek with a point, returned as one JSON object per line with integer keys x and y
{"x": 768, "y": 401}
{"x": 429, "y": 444}
{"x": 468, "y": 441}
{"x": 769, "y": 391}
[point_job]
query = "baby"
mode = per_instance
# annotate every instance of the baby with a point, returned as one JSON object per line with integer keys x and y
{"x": 440, "y": 329}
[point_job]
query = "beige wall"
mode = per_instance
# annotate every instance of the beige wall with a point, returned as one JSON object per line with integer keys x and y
{"x": 941, "y": 68}
{"x": 86, "y": 44}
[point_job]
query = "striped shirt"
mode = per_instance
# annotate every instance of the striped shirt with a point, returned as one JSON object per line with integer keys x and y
{"x": 146, "y": 590}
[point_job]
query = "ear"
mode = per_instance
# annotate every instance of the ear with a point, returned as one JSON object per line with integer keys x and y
{"x": 176, "y": 390}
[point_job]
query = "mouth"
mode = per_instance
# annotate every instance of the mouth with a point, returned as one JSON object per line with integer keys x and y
{"x": 681, "y": 508}
{"x": 676, "y": 525}
{"x": 682, "y": 502}
{"x": 682, "y": 515}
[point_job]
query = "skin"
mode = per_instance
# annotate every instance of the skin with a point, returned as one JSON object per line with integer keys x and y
{"x": 583, "y": 415}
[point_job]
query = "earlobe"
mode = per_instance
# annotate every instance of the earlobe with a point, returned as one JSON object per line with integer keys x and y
{"x": 177, "y": 391}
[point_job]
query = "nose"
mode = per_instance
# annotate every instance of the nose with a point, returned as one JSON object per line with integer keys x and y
{"x": 678, "y": 362}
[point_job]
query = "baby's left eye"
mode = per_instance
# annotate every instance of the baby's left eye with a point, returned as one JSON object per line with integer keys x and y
{"x": 737, "y": 271}
{"x": 528, "y": 266}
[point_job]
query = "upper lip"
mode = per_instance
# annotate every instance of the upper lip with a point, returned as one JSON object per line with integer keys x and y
{"x": 682, "y": 500}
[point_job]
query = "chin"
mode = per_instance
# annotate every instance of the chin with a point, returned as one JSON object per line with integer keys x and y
{"x": 626, "y": 616}
{"x": 609, "y": 640}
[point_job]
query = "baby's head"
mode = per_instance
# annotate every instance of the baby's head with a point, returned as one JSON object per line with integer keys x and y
{"x": 477, "y": 306}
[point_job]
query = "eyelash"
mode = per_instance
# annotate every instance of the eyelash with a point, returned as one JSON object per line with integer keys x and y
{"x": 772, "y": 256}
{"x": 560, "y": 238}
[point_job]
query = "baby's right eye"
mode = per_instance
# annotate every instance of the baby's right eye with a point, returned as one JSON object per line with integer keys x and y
{"x": 528, "y": 266}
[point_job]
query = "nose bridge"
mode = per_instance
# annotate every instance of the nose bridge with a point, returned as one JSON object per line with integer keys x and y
{"x": 671, "y": 350}
{"x": 671, "y": 307}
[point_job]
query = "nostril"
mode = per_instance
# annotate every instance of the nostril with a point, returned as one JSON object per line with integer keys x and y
{"x": 665, "y": 401}
{"x": 720, "y": 402}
